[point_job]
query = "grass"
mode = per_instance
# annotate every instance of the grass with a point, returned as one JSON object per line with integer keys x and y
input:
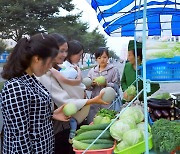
{"x": 1, "y": 85}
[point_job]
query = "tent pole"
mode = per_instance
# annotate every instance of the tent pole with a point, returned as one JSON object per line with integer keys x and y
{"x": 144, "y": 76}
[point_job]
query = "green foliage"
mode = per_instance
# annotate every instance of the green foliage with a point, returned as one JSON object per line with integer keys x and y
{"x": 113, "y": 54}
{"x": 166, "y": 135}
{"x": 163, "y": 96}
{"x": 2, "y": 46}
{"x": 20, "y": 17}
{"x": 1, "y": 85}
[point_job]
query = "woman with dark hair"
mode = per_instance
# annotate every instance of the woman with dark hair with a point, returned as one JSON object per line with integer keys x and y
{"x": 25, "y": 102}
{"x": 70, "y": 78}
{"x": 129, "y": 73}
{"x": 111, "y": 74}
{"x": 62, "y": 96}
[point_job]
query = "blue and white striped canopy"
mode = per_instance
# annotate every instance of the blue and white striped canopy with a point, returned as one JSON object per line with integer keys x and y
{"x": 125, "y": 17}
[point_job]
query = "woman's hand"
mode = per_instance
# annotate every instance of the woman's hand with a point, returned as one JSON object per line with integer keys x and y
{"x": 94, "y": 83}
{"x": 59, "y": 115}
{"x": 77, "y": 69}
{"x": 97, "y": 100}
{"x": 127, "y": 97}
{"x": 79, "y": 76}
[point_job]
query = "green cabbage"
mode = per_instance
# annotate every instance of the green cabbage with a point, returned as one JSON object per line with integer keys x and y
{"x": 141, "y": 127}
{"x": 163, "y": 96}
{"x": 120, "y": 127}
{"x": 133, "y": 136}
{"x": 135, "y": 112}
{"x": 131, "y": 90}
{"x": 97, "y": 119}
{"x": 122, "y": 145}
{"x": 105, "y": 120}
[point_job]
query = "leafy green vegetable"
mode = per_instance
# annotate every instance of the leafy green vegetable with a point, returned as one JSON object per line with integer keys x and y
{"x": 163, "y": 96}
{"x": 131, "y": 90}
{"x": 97, "y": 119}
{"x": 104, "y": 116}
{"x": 106, "y": 112}
{"x": 105, "y": 120}
{"x": 133, "y": 136}
{"x": 122, "y": 145}
{"x": 166, "y": 135}
{"x": 141, "y": 127}
{"x": 120, "y": 127}
{"x": 134, "y": 112}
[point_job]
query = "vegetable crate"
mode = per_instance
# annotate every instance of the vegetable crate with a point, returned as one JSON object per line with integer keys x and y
{"x": 162, "y": 69}
{"x": 137, "y": 148}
{"x": 101, "y": 151}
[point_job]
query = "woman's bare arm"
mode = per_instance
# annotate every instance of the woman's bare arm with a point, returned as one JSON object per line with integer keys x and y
{"x": 60, "y": 78}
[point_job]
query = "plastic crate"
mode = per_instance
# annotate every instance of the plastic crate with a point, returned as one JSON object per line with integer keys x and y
{"x": 137, "y": 148}
{"x": 162, "y": 69}
{"x": 101, "y": 151}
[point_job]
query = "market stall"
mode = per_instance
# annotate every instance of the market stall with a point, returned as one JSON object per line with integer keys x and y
{"x": 123, "y": 18}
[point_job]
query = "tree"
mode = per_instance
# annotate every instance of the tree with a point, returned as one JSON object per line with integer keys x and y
{"x": 27, "y": 17}
{"x": 112, "y": 54}
{"x": 21, "y": 17}
{"x": 2, "y": 46}
{"x": 78, "y": 30}
{"x": 70, "y": 27}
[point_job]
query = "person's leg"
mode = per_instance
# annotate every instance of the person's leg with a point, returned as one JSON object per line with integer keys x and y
{"x": 62, "y": 145}
{"x": 73, "y": 128}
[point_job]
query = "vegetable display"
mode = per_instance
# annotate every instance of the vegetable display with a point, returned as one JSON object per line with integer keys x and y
{"x": 163, "y": 96}
{"x": 166, "y": 135}
{"x": 131, "y": 90}
{"x": 88, "y": 133}
{"x": 129, "y": 129}
{"x": 162, "y": 108}
{"x": 104, "y": 116}
{"x": 129, "y": 93}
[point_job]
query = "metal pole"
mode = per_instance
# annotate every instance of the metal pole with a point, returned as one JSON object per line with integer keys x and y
{"x": 144, "y": 76}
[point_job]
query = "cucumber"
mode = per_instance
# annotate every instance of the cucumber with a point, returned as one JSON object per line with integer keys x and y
{"x": 102, "y": 141}
{"x": 79, "y": 131}
{"x": 82, "y": 146}
{"x": 93, "y": 134}
{"x": 94, "y": 127}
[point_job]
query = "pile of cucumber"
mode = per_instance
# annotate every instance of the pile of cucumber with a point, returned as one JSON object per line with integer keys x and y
{"x": 88, "y": 133}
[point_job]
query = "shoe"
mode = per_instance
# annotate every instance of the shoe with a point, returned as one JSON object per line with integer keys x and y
{"x": 71, "y": 136}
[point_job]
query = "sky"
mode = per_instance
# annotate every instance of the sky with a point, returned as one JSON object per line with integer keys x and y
{"x": 117, "y": 44}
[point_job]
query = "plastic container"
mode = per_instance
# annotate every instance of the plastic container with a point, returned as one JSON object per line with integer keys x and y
{"x": 162, "y": 69}
{"x": 137, "y": 148}
{"x": 101, "y": 151}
